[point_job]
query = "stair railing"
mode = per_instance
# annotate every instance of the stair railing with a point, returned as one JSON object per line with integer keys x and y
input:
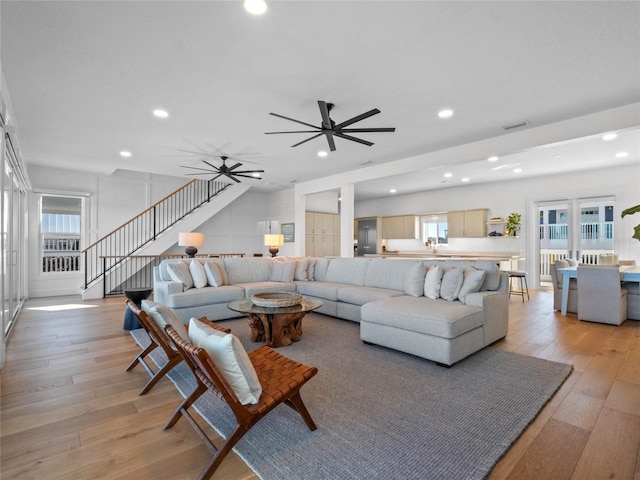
{"x": 145, "y": 227}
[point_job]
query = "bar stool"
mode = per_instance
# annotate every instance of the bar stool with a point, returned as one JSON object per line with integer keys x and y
{"x": 524, "y": 287}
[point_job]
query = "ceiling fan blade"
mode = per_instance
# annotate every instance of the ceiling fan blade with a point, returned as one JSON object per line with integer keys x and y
{"x": 357, "y": 118}
{"x": 324, "y": 111}
{"x": 209, "y": 172}
{"x": 353, "y": 139}
{"x": 235, "y": 166}
{"x": 294, "y": 131}
{"x": 331, "y": 141}
{"x": 196, "y": 168}
{"x": 211, "y": 165}
{"x": 232, "y": 177}
{"x": 248, "y": 176}
{"x": 294, "y": 120}
{"x": 219, "y": 175}
{"x": 305, "y": 141}
{"x": 390, "y": 129}
{"x": 239, "y": 172}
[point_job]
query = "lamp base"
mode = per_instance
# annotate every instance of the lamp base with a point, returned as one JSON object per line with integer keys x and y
{"x": 191, "y": 251}
{"x": 274, "y": 251}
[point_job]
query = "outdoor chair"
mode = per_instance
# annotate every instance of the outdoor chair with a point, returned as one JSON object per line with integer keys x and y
{"x": 601, "y": 297}
{"x": 280, "y": 379}
{"x": 158, "y": 339}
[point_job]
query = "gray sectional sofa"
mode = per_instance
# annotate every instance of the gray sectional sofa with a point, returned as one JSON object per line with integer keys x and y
{"x": 386, "y": 296}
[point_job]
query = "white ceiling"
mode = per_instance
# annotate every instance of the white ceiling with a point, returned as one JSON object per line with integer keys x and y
{"x": 84, "y": 77}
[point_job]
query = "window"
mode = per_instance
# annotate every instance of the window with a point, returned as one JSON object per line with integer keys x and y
{"x": 60, "y": 231}
{"x": 434, "y": 229}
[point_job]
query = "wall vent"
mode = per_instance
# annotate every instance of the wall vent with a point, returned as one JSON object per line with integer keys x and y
{"x": 514, "y": 125}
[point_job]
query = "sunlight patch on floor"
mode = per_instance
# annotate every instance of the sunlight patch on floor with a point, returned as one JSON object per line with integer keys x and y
{"x": 58, "y": 308}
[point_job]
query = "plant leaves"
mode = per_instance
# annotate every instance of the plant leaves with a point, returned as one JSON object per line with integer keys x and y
{"x": 636, "y": 232}
{"x": 630, "y": 211}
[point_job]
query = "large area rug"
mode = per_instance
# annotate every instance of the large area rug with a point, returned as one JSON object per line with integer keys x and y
{"x": 382, "y": 414}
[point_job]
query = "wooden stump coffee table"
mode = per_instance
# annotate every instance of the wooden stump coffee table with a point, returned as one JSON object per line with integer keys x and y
{"x": 277, "y": 326}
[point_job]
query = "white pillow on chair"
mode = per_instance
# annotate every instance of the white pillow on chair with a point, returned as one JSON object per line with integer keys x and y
{"x": 230, "y": 357}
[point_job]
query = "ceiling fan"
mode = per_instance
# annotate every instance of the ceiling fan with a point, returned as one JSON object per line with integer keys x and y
{"x": 225, "y": 170}
{"x": 330, "y": 129}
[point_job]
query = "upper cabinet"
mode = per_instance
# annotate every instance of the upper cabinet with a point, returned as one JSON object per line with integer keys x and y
{"x": 322, "y": 234}
{"x": 402, "y": 226}
{"x": 467, "y": 223}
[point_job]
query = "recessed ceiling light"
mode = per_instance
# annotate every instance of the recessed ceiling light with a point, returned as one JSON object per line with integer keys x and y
{"x": 448, "y": 175}
{"x": 125, "y": 153}
{"x": 322, "y": 153}
{"x": 517, "y": 170}
{"x": 622, "y": 154}
{"x": 464, "y": 179}
{"x": 393, "y": 190}
{"x": 446, "y": 113}
{"x": 158, "y": 112}
{"x": 256, "y": 7}
{"x": 609, "y": 136}
{"x": 493, "y": 159}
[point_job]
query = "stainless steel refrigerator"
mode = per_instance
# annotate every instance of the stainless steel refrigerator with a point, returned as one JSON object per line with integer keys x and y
{"x": 367, "y": 236}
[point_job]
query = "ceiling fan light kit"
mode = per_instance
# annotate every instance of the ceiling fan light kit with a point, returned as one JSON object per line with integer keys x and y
{"x": 330, "y": 129}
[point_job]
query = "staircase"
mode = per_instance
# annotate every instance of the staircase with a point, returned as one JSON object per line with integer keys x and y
{"x": 155, "y": 230}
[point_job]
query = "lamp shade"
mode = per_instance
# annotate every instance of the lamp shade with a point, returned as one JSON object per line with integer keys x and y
{"x": 190, "y": 239}
{"x": 272, "y": 240}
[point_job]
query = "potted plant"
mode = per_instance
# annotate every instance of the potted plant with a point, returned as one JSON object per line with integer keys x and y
{"x": 513, "y": 224}
{"x": 630, "y": 211}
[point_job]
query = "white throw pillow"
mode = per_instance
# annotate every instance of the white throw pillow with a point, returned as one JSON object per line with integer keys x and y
{"x": 231, "y": 358}
{"x": 198, "y": 275}
{"x": 163, "y": 316}
{"x": 283, "y": 271}
{"x": 214, "y": 276}
{"x": 432, "y": 282}
{"x": 451, "y": 283}
{"x": 414, "y": 281}
{"x": 311, "y": 269}
{"x": 302, "y": 265}
{"x": 473, "y": 279}
{"x": 179, "y": 272}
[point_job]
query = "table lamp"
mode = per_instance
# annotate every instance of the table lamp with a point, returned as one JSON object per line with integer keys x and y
{"x": 273, "y": 242}
{"x": 191, "y": 240}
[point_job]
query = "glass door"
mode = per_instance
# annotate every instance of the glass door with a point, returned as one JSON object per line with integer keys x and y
{"x": 579, "y": 228}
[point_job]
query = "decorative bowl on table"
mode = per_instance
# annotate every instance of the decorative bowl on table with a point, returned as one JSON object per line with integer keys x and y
{"x": 276, "y": 299}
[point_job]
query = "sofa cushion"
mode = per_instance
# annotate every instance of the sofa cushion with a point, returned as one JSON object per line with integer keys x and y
{"x": 473, "y": 280}
{"x": 214, "y": 275}
{"x": 219, "y": 262}
{"x": 231, "y": 359}
{"x": 362, "y": 295}
{"x": 414, "y": 281}
{"x": 163, "y": 316}
{"x": 198, "y": 275}
{"x": 347, "y": 270}
{"x": 392, "y": 274}
{"x": 452, "y": 280}
{"x": 311, "y": 269}
{"x": 259, "y": 287}
{"x": 324, "y": 290}
{"x": 245, "y": 270}
{"x": 432, "y": 282}
{"x": 179, "y": 272}
{"x": 283, "y": 270}
{"x": 205, "y": 296}
{"x": 321, "y": 265}
{"x": 424, "y": 315}
{"x": 302, "y": 265}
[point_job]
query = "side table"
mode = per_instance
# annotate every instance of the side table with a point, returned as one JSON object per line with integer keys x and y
{"x": 136, "y": 295}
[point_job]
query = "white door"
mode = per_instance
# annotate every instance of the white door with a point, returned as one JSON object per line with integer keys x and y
{"x": 577, "y": 228}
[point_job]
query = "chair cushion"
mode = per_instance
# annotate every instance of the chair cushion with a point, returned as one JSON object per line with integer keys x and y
{"x": 432, "y": 282}
{"x": 214, "y": 275}
{"x": 230, "y": 357}
{"x": 163, "y": 316}
{"x": 452, "y": 280}
{"x": 199, "y": 277}
{"x": 179, "y": 272}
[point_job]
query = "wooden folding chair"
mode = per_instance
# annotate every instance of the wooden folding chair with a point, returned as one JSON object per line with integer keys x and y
{"x": 158, "y": 339}
{"x": 280, "y": 377}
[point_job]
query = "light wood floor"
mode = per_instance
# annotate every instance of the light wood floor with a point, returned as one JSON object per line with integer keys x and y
{"x": 69, "y": 411}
